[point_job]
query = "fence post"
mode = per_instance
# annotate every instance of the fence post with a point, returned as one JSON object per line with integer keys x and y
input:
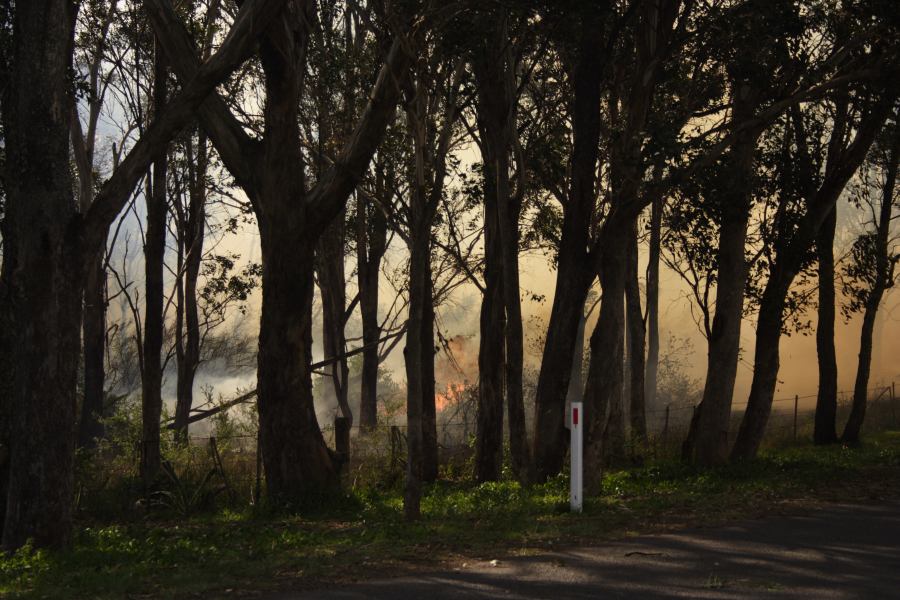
{"x": 220, "y": 467}
{"x": 796, "y": 402}
{"x": 576, "y": 470}
{"x": 894, "y": 404}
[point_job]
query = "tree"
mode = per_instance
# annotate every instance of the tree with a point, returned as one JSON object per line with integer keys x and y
{"x": 190, "y": 228}
{"x": 91, "y": 50}
{"x": 657, "y": 35}
{"x": 494, "y": 66}
{"x": 154, "y": 308}
{"x": 842, "y": 163}
{"x": 47, "y": 244}
{"x": 290, "y": 214}
{"x": 371, "y": 244}
{"x": 824, "y": 431}
{"x": 574, "y": 275}
{"x": 432, "y": 109}
{"x": 872, "y": 266}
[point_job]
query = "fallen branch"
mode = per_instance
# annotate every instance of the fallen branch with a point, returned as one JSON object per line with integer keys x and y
{"x": 200, "y": 415}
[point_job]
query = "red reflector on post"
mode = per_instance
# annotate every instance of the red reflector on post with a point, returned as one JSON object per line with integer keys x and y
{"x": 574, "y": 416}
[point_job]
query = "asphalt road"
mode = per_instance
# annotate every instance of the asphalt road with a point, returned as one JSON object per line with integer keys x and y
{"x": 838, "y": 552}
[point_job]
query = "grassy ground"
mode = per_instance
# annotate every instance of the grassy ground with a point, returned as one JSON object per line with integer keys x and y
{"x": 363, "y": 535}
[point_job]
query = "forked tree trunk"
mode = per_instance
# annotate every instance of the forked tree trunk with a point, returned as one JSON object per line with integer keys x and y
{"x": 426, "y": 186}
{"x": 603, "y": 394}
{"x": 154, "y": 256}
{"x": 618, "y": 247}
{"x": 296, "y": 459}
{"x": 494, "y": 69}
{"x": 635, "y": 343}
{"x": 489, "y": 425}
{"x": 574, "y": 273}
{"x": 707, "y": 441}
{"x": 272, "y": 173}
{"x": 825, "y": 431}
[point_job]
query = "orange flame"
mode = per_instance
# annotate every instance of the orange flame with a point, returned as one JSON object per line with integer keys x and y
{"x": 451, "y": 397}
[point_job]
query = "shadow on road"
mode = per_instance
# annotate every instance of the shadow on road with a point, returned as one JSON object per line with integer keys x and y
{"x": 836, "y": 553}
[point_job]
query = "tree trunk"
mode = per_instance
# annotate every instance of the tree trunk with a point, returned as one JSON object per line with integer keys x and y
{"x": 613, "y": 439}
{"x": 652, "y": 371}
{"x": 635, "y": 341}
{"x": 574, "y": 273}
{"x": 7, "y": 369}
{"x": 861, "y": 385}
{"x": 42, "y": 272}
{"x": 884, "y": 272}
{"x": 429, "y": 409}
{"x": 840, "y": 167}
{"x": 46, "y": 250}
{"x": 489, "y": 426}
{"x": 707, "y": 441}
{"x": 575, "y": 392}
{"x": 603, "y": 394}
{"x": 154, "y": 256}
{"x": 370, "y": 247}
{"x": 296, "y": 459}
{"x": 826, "y": 400}
{"x": 90, "y": 427}
{"x": 415, "y": 354}
{"x": 515, "y": 351}
{"x": 189, "y": 361}
{"x": 494, "y": 68}
{"x": 332, "y": 285}
{"x": 765, "y": 364}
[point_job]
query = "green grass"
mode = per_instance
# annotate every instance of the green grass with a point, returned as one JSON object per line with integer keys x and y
{"x": 363, "y": 534}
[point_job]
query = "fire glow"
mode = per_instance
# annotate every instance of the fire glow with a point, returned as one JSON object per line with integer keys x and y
{"x": 451, "y": 396}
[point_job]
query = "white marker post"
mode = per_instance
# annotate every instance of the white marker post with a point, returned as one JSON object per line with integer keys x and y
{"x": 576, "y": 468}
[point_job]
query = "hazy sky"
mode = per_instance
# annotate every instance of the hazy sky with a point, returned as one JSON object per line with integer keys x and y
{"x": 799, "y": 370}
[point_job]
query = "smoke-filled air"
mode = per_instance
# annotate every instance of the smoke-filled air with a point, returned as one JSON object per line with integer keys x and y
{"x": 556, "y": 269}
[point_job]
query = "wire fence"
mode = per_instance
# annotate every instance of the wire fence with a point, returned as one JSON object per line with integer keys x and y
{"x": 791, "y": 419}
{"x": 378, "y": 454}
